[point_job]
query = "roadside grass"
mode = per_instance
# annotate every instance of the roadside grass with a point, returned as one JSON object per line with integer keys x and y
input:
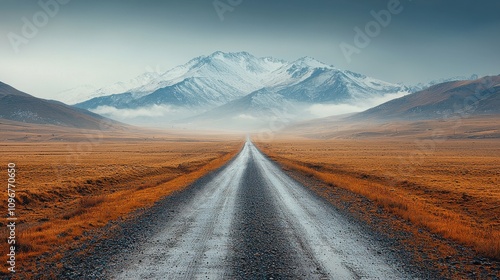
{"x": 56, "y": 206}
{"x": 451, "y": 192}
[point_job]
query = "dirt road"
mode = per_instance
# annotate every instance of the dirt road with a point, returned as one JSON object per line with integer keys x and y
{"x": 251, "y": 221}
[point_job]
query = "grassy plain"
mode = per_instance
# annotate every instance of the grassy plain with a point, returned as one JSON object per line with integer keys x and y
{"x": 447, "y": 186}
{"x": 69, "y": 183}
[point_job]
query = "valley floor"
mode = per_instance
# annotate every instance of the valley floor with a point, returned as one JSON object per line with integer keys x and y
{"x": 70, "y": 185}
{"x": 435, "y": 204}
{"x": 442, "y": 196}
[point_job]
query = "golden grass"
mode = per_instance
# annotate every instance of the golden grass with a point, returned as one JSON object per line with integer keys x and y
{"x": 471, "y": 127}
{"x": 449, "y": 187}
{"x": 68, "y": 188}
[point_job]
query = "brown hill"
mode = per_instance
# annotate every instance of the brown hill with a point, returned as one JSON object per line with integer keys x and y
{"x": 442, "y": 101}
{"x": 21, "y": 107}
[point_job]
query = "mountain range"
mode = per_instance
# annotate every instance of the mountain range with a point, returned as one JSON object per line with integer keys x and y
{"x": 241, "y": 91}
{"x": 238, "y": 86}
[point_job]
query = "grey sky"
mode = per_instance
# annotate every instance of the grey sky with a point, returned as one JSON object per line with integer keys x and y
{"x": 102, "y": 42}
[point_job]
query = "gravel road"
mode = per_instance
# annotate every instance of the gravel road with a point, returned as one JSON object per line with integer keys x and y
{"x": 252, "y": 221}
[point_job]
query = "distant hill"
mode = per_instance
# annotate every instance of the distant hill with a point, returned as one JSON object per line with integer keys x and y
{"x": 22, "y": 107}
{"x": 445, "y": 100}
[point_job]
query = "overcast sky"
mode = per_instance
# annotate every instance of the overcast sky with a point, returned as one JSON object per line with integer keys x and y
{"x": 99, "y": 42}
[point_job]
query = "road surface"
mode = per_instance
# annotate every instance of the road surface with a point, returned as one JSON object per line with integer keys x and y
{"x": 252, "y": 221}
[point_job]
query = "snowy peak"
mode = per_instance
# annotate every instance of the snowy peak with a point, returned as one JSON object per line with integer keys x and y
{"x": 309, "y": 62}
{"x": 231, "y": 55}
{"x": 239, "y": 62}
{"x": 239, "y": 69}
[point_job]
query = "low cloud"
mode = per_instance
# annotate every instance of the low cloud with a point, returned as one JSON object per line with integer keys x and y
{"x": 375, "y": 101}
{"x": 123, "y": 114}
{"x": 325, "y": 110}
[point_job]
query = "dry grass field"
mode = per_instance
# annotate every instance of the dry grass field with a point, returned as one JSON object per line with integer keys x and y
{"x": 461, "y": 127}
{"x": 449, "y": 187}
{"x": 67, "y": 187}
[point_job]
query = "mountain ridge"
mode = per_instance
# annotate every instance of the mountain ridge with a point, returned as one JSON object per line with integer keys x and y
{"x": 441, "y": 101}
{"x": 19, "y": 106}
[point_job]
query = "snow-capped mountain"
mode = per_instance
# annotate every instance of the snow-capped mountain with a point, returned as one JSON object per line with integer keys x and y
{"x": 222, "y": 82}
{"x": 205, "y": 80}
